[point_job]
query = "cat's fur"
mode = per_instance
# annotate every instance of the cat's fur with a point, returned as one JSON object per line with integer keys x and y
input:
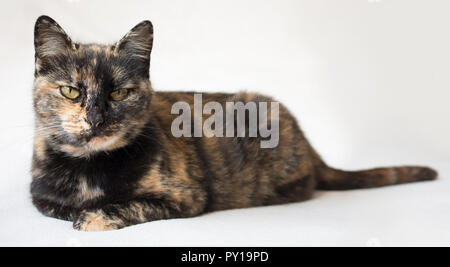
{"x": 109, "y": 164}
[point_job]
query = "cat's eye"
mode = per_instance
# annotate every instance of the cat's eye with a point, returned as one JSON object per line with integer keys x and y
{"x": 69, "y": 92}
{"x": 119, "y": 94}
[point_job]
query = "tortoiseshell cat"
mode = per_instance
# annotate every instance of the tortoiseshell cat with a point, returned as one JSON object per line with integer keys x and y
{"x": 104, "y": 156}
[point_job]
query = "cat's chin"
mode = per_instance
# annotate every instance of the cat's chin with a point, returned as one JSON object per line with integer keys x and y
{"x": 103, "y": 143}
{"x": 94, "y": 145}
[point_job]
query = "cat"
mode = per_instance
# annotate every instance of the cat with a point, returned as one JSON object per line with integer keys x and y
{"x": 104, "y": 156}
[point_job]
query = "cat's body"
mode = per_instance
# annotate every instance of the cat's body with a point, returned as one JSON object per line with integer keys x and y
{"x": 106, "y": 164}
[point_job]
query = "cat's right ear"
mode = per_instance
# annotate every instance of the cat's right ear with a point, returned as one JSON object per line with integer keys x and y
{"x": 137, "y": 42}
{"x": 49, "y": 38}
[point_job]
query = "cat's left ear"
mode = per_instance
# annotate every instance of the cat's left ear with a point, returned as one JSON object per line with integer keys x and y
{"x": 137, "y": 42}
{"x": 49, "y": 38}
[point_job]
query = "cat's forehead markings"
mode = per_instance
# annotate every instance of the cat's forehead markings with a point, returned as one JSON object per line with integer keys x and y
{"x": 89, "y": 80}
{"x": 77, "y": 76}
{"x": 117, "y": 72}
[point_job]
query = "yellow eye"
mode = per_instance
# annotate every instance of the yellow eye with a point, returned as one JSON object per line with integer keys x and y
{"x": 119, "y": 94}
{"x": 69, "y": 92}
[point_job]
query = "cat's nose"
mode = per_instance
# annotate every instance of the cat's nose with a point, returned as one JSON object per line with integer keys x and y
{"x": 95, "y": 119}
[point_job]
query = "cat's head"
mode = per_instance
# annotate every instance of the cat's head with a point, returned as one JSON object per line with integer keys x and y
{"x": 90, "y": 97}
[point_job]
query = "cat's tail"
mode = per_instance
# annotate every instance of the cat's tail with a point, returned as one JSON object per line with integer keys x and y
{"x": 333, "y": 179}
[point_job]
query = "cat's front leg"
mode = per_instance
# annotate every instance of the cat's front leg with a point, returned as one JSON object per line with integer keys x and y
{"x": 116, "y": 216}
{"x": 52, "y": 209}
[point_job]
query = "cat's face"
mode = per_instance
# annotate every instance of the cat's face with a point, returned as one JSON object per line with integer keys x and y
{"x": 91, "y": 98}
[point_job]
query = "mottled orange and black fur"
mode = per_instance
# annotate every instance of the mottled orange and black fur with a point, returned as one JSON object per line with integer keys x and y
{"x": 107, "y": 164}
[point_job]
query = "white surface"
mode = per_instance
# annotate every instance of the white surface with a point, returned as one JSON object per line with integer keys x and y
{"x": 368, "y": 80}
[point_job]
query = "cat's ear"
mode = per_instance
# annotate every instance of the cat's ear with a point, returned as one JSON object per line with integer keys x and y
{"x": 138, "y": 41}
{"x": 49, "y": 38}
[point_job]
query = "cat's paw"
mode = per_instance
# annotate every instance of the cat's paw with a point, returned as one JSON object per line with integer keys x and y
{"x": 96, "y": 220}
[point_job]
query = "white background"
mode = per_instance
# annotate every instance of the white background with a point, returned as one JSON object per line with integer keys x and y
{"x": 368, "y": 80}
